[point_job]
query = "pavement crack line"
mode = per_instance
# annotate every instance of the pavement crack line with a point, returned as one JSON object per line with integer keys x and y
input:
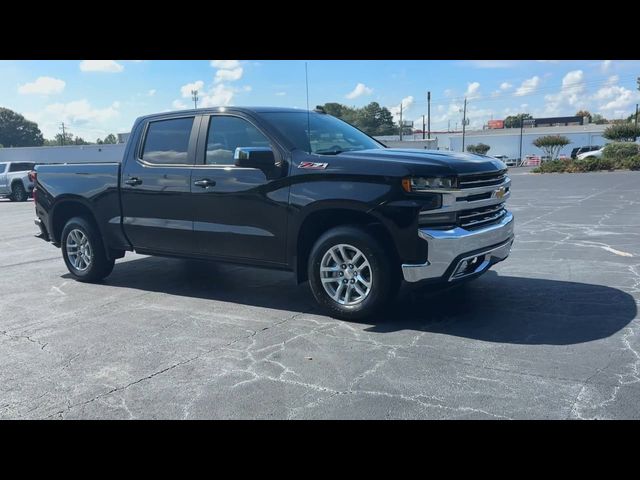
{"x": 253, "y": 333}
{"x": 26, "y": 337}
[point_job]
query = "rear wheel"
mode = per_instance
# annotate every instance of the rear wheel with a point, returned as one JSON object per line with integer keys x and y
{"x": 350, "y": 274}
{"x": 18, "y": 193}
{"x": 83, "y": 251}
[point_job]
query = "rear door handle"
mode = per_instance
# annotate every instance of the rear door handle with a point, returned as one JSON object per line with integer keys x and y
{"x": 204, "y": 183}
{"x": 133, "y": 181}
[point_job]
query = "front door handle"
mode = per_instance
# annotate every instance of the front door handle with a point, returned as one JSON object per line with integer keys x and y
{"x": 204, "y": 183}
{"x": 133, "y": 181}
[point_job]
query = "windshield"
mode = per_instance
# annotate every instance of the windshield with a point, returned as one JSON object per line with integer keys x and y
{"x": 328, "y": 136}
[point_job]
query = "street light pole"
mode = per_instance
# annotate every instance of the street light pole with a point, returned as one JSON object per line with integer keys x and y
{"x": 521, "y": 127}
{"x": 423, "y": 127}
{"x": 194, "y": 97}
{"x": 401, "y": 121}
{"x": 464, "y": 122}
{"x": 429, "y": 115}
{"x": 634, "y": 137}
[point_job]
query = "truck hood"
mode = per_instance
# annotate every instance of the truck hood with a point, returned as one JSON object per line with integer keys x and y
{"x": 428, "y": 162}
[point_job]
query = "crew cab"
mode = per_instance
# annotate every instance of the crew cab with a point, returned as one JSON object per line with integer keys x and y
{"x": 15, "y": 181}
{"x": 287, "y": 189}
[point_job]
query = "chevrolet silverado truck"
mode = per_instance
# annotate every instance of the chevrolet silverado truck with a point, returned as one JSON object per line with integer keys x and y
{"x": 15, "y": 181}
{"x": 287, "y": 189}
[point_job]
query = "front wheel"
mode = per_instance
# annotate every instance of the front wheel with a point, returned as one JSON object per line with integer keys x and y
{"x": 83, "y": 251}
{"x": 350, "y": 274}
{"x": 18, "y": 193}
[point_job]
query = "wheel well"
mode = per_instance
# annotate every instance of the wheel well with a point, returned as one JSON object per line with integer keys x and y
{"x": 16, "y": 181}
{"x": 319, "y": 222}
{"x": 64, "y": 212}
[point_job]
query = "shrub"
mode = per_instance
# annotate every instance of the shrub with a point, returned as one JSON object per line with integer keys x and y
{"x": 553, "y": 166}
{"x": 632, "y": 163}
{"x": 620, "y": 151}
{"x": 622, "y": 132}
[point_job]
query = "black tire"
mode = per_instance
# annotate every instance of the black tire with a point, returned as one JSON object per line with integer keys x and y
{"x": 100, "y": 266}
{"x": 384, "y": 282}
{"x": 18, "y": 193}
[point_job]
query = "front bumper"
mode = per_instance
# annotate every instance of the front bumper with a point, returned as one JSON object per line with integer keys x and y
{"x": 458, "y": 253}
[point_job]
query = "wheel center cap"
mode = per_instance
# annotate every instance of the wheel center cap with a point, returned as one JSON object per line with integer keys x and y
{"x": 349, "y": 274}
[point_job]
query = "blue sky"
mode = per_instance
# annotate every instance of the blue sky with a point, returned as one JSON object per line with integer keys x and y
{"x": 97, "y": 97}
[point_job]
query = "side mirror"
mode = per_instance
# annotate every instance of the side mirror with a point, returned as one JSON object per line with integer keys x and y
{"x": 254, "y": 157}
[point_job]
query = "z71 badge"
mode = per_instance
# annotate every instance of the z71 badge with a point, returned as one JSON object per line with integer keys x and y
{"x": 313, "y": 165}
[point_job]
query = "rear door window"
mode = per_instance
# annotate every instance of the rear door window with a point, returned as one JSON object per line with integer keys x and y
{"x": 167, "y": 142}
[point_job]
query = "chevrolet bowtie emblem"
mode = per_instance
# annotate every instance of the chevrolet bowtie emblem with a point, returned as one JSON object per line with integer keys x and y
{"x": 499, "y": 193}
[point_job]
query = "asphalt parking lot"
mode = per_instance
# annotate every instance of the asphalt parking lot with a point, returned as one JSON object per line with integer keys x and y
{"x": 552, "y": 332}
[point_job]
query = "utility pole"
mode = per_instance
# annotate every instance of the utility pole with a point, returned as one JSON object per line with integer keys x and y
{"x": 63, "y": 134}
{"x": 401, "y": 121}
{"x": 634, "y": 138}
{"x": 521, "y": 127}
{"x": 423, "y": 127}
{"x": 464, "y": 121}
{"x": 194, "y": 97}
{"x": 428, "y": 115}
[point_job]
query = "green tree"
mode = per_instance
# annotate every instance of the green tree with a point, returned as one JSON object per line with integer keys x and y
{"x": 598, "y": 119}
{"x": 584, "y": 113}
{"x": 622, "y": 132}
{"x": 111, "y": 138}
{"x": 480, "y": 149}
{"x": 513, "y": 121}
{"x": 551, "y": 144}
{"x": 372, "y": 118}
{"x": 17, "y": 131}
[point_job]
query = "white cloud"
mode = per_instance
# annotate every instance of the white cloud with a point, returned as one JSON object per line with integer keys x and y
{"x": 185, "y": 90}
{"x": 615, "y": 97}
{"x": 606, "y": 64}
{"x": 359, "y": 90}
{"x": 612, "y": 80}
{"x": 231, "y": 75}
{"x": 225, "y": 64}
{"x": 472, "y": 89}
{"x": 448, "y": 93}
{"x": 42, "y": 86}
{"x": 80, "y": 116}
{"x": 151, "y": 92}
{"x": 218, "y": 95}
{"x": 505, "y": 86}
{"x": 179, "y": 105}
{"x": 570, "y": 93}
{"x": 406, "y": 105}
{"x": 280, "y": 94}
{"x": 528, "y": 86}
{"x": 101, "y": 66}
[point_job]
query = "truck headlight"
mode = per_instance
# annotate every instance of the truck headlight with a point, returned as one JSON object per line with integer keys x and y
{"x": 427, "y": 184}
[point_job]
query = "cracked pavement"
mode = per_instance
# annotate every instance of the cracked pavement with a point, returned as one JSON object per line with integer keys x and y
{"x": 552, "y": 332}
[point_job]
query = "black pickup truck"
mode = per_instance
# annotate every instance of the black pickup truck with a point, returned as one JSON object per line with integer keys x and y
{"x": 287, "y": 189}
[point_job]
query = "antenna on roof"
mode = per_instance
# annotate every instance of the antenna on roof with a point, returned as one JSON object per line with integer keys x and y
{"x": 306, "y": 78}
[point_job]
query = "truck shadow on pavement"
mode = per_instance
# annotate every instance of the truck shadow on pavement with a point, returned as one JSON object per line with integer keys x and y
{"x": 493, "y": 308}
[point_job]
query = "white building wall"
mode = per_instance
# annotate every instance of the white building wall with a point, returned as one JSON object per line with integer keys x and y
{"x": 66, "y": 154}
{"x": 507, "y": 142}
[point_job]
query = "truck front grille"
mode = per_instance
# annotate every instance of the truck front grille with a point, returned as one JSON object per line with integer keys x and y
{"x": 481, "y": 217}
{"x": 482, "y": 179}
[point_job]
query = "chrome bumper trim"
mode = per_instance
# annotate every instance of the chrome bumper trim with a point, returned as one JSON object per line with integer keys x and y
{"x": 445, "y": 246}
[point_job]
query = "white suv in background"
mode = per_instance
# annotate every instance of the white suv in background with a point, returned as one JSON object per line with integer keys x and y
{"x": 15, "y": 181}
{"x": 594, "y": 153}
